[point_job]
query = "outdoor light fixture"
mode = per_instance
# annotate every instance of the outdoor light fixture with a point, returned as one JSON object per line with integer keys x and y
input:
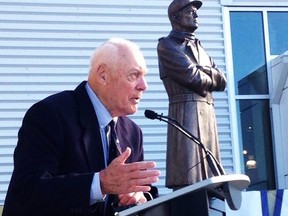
{"x": 251, "y": 163}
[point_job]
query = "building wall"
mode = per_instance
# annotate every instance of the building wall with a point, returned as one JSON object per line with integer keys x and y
{"x": 45, "y": 48}
{"x": 284, "y": 116}
{"x": 279, "y": 104}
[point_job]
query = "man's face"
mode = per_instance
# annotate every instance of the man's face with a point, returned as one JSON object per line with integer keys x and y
{"x": 188, "y": 18}
{"x": 126, "y": 84}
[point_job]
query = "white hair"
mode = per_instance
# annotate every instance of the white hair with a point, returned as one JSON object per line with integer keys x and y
{"x": 108, "y": 52}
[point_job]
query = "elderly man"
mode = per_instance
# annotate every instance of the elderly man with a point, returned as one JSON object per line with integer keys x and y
{"x": 62, "y": 164}
{"x": 189, "y": 76}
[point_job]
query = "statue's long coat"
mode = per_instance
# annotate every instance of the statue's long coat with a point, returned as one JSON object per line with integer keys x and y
{"x": 189, "y": 89}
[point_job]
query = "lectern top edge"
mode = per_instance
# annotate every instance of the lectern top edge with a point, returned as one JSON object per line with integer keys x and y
{"x": 238, "y": 181}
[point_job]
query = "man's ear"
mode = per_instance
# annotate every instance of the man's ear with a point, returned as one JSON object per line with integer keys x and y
{"x": 101, "y": 73}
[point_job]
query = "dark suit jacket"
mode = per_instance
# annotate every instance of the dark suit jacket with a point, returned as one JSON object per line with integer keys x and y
{"x": 58, "y": 151}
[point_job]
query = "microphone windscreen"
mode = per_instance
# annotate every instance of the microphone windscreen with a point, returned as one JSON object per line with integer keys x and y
{"x": 150, "y": 114}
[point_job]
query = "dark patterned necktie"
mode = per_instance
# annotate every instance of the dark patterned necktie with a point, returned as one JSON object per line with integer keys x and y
{"x": 113, "y": 152}
{"x": 113, "y": 142}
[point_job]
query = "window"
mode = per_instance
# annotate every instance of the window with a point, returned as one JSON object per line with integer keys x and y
{"x": 250, "y": 75}
{"x": 257, "y": 152}
{"x": 278, "y": 32}
{"x": 251, "y": 86}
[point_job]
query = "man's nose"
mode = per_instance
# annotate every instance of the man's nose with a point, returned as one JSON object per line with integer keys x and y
{"x": 142, "y": 85}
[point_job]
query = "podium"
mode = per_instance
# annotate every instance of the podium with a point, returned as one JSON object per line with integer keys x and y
{"x": 202, "y": 198}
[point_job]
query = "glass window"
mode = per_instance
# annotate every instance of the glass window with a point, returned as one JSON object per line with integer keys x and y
{"x": 278, "y": 32}
{"x": 257, "y": 158}
{"x": 250, "y": 75}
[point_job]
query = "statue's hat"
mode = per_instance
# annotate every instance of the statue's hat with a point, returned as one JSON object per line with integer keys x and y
{"x": 177, "y": 5}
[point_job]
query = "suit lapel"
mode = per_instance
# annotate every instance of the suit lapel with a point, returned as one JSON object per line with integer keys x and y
{"x": 91, "y": 133}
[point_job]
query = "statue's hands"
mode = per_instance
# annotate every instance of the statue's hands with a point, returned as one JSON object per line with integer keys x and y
{"x": 122, "y": 178}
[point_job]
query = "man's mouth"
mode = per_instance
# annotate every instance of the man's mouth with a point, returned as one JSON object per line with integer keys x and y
{"x": 136, "y": 99}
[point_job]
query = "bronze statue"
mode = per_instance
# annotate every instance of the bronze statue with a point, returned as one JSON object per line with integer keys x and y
{"x": 190, "y": 76}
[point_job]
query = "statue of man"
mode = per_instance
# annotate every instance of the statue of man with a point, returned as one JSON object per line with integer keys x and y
{"x": 190, "y": 76}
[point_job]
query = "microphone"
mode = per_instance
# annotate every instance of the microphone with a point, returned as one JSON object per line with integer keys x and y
{"x": 213, "y": 163}
{"x": 153, "y": 115}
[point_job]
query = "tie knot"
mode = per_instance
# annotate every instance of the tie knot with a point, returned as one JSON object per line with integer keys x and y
{"x": 112, "y": 124}
{"x": 113, "y": 134}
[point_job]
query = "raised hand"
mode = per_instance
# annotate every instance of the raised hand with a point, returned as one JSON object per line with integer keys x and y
{"x": 122, "y": 178}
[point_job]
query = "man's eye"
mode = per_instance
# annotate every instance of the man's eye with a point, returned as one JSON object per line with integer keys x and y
{"x": 133, "y": 76}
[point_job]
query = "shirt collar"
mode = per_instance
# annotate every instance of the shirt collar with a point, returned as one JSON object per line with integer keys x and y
{"x": 101, "y": 111}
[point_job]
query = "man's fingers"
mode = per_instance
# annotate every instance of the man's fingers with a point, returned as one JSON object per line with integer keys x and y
{"x": 141, "y": 165}
{"x": 122, "y": 178}
{"x": 139, "y": 174}
{"x": 143, "y": 181}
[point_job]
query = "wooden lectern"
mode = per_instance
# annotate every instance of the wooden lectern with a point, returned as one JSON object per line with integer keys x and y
{"x": 199, "y": 199}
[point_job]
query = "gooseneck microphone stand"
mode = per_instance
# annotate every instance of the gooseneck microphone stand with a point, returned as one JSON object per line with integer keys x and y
{"x": 213, "y": 163}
